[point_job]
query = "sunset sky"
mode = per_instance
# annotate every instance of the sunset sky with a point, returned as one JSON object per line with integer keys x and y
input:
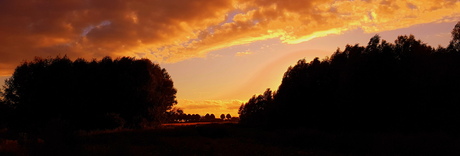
{"x": 218, "y": 52}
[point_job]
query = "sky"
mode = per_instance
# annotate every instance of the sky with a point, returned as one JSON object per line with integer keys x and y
{"x": 219, "y": 53}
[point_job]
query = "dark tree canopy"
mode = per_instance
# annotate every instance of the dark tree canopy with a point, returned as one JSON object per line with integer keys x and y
{"x": 401, "y": 86}
{"x": 88, "y": 94}
{"x": 222, "y": 116}
{"x": 212, "y": 117}
{"x": 257, "y": 110}
{"x": 228, "y": 116}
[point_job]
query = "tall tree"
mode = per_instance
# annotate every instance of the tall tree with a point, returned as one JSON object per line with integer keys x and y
{"x": 455, "y": 42}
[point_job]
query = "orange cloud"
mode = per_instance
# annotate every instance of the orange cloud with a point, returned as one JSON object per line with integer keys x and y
{"x": 97, "y": 28}
{"x": 174, "y": 30}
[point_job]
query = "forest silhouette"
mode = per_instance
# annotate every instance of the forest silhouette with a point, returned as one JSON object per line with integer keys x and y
{"x": 405, "y": 86}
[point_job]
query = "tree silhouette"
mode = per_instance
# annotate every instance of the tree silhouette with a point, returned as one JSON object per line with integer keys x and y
{"x": 228, "y": 117}
{"x": 88, "y": 94}
{"x": 455, "y": 42}
{"x": 222, "y": 116}
{"x": 212, "y": 117}
{"x": 196, "y": 117}
{"x": 175, "y": 115}
{"x": 257, "y": 109}
{"x": 401, "y": 86}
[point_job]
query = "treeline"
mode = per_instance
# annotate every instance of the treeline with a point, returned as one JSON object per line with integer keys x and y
{"x": 401, "y": 86}
{"x": 178, "y": 115}
{"x": 87, "y": 95}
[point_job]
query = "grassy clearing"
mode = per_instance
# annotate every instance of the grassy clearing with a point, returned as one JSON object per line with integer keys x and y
{"x": 231, "y": 139}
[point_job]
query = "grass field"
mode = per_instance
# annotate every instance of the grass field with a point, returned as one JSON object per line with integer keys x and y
{"x": 232, "y": 139}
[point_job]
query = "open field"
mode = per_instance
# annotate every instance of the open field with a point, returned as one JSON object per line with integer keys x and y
{"x": 195, "y": 123}
{"x": 185, "y": 124}
{"x": 231, "y": 139}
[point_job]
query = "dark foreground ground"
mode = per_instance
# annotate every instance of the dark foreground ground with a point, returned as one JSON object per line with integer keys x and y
{"x": 231, "y": 139}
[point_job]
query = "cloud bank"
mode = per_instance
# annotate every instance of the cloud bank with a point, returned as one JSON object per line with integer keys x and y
{"x": 175, "y": 30}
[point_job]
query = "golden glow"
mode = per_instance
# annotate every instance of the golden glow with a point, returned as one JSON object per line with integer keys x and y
{"x": 314, "y": 35}
{"x": 215, "y": 107}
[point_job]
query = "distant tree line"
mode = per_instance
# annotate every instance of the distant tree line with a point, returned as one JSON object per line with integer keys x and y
{"x": 401, "y": 86}
{"x": 178, "y": 115}
{"x": 212, "y": 117}
{"x": 87, "y": 95}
